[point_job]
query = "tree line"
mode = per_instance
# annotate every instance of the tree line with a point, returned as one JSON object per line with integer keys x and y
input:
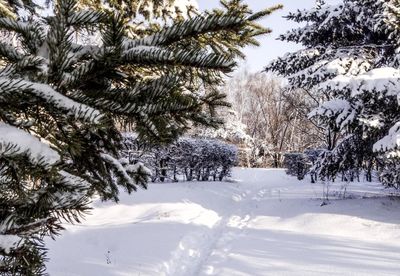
{"x": 186, "y": 159}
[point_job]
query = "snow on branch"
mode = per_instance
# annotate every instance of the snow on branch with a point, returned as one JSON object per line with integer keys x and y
{"x": 390, "y": 141}
{"x": 38, "y": 152}
{"x": 9, "y": 52}
{"x": 385, "y": 81}
{"x": 32, "y": 32}
{"x": 74, "y": 180}
{"x": 119, "y": 168}
{"x": 85, "y": 17}
{"x": 342, "y": 110}
{"x": 48, "y": 94}
{"x": 195, "y": 26}
{"x": 9, "y": 243}
{"x": 150, "y": 55}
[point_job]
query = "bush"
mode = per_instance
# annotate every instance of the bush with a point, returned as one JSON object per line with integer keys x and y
{"x": 389, "y": 173}
{"x": 296, "y": 164}
{"x": 186, "y": 159}
{"x": 300, "y": 164}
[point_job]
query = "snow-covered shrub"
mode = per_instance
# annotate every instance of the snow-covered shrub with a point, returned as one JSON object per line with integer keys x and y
{"x": 313, "y": 154}
{"x": 301, "y": 164}
{"x": 390, "y": 173}
{"x": 296, "y": 164}
{"x": 187, "y": 158}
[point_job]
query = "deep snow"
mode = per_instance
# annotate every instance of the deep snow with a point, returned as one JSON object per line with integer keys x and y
{"x": 266, "y": 223}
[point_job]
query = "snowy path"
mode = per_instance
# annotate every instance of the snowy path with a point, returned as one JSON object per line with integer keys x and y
{"x": 265, "y": 224}
{"x": 202, "y": 245}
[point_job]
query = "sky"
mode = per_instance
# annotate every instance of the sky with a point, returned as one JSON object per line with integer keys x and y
{"x": 258, "y": 57}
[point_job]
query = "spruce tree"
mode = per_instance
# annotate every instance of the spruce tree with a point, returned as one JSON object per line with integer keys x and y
{"x": 350, "y": 64}
{"x": 63, "y": 100}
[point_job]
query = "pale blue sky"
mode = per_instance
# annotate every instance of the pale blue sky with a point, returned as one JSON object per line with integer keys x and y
{"x": 257, "y": 58}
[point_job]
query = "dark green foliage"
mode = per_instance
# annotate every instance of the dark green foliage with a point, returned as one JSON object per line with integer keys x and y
{"x": 296, "y": 164}
{"x": 389, "y": 172}
{"x": 301, "y": 164}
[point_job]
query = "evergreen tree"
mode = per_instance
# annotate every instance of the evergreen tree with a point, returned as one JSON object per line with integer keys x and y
{"x": 62, "y": 99}
{"x": 350, "y": 64}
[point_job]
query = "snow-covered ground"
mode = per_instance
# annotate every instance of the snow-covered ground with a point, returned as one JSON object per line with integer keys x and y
{"x": 266, "y": 223}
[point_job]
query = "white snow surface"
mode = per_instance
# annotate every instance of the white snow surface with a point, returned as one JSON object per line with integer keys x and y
{"x": 265, "y": 223}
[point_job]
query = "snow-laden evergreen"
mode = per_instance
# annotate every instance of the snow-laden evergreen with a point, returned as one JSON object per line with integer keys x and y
{"x": 64, "y": 97}
{"x": 350, "y": 64}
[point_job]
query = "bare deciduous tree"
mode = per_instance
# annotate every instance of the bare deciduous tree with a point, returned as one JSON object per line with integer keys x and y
{"x": 276, "y": 119}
